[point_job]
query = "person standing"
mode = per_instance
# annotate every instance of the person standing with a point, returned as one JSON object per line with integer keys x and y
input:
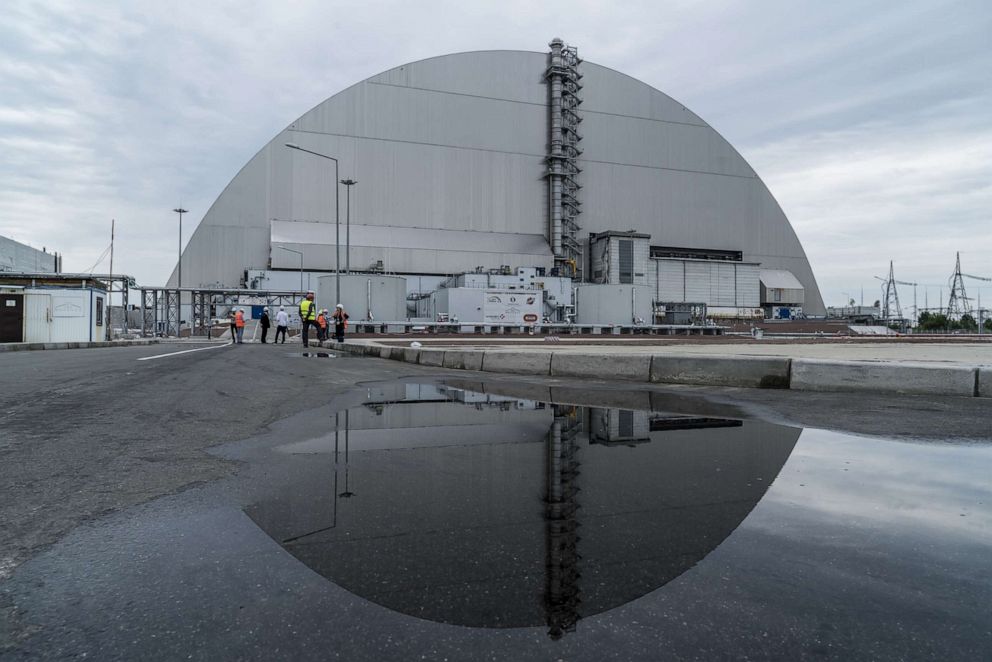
{"x": 308, "y": 315}
{"x": 265, "y": 323}
{"x": 340, "y": 318}
{"x": 234, "y": 327}
{"x": 282, "y": 324}
{"x": 322, "y": 325}
{"x": 239, "y": 323}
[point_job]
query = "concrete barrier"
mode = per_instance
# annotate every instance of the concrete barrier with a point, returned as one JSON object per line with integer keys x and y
{"x": 408, "y": 354}
{"x": 882, "y": 377}
{"x": 518, "y": 363}
{"x": 432, "y": 357}
{"x": 632, "y": 367}
{"x": 745, "y": 371}
{"x": 36, "y": 346}
{"x": 984, "y": 382}
{"x": 463, "y": 359}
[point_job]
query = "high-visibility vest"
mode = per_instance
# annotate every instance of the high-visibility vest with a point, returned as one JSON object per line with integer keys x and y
{"x": 321, "y": 321}
{"x": 307, "y": 310}
{"x": 239, "y": 319}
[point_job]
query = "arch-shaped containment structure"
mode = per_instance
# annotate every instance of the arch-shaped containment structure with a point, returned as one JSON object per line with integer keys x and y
{"x": 450, "y": 155}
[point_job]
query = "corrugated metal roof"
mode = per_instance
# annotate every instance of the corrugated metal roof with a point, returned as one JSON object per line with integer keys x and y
{"x": 391, "y": 236}
{"x": 780, "y": 279}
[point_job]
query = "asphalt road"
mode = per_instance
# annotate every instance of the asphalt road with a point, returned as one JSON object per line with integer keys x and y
{"x": 88, "y": 438}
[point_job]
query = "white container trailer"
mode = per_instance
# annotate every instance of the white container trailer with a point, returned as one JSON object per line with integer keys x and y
{"x": 366, "y": 297}
{"x": 614, "y": 304}
{"x": 64, "y": 314}
{"x": 472, "y": 305}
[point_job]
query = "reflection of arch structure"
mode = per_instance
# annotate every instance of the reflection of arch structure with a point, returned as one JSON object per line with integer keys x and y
{"x": 453, "y": 524}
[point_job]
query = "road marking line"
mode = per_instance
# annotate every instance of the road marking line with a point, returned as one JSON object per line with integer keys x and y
{"x": 185, "y": 351}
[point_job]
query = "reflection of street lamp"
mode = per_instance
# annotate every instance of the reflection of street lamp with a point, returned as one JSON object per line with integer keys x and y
{"x": 337, "y": 218}
{"x": 346, "y": 494}
{"x": 300, "y": 253}
{"x": 347, "y": 224}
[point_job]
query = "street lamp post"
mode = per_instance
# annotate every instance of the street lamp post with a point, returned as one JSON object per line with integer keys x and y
{"x": 300, "y": 253}
{"x": 337, "y": 219}
{"x": 180, "y": 211}
{"x": 179, "y": 277}
{"x": 347, "y": 224}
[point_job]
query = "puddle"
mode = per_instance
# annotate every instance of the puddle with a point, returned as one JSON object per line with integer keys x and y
{"x": 316, "y": 355}
{"x": 490, "y": 511}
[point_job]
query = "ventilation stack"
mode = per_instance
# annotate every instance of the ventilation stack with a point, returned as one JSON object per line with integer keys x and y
{"x": 564, "y": 86}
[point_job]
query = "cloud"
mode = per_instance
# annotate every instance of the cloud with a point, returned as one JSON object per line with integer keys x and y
{"x": 931, "y": 490}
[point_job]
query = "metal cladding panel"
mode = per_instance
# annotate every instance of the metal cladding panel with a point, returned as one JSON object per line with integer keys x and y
{"x": 697, "y": 282}
{"x": 649, "y": 143}
{"x": 458, "y": 142}
{"x": 671, "y": 280}
{"x": 748, "y": 295}
{"x": 514, "y": 75}
{"x": 723, "y": 285}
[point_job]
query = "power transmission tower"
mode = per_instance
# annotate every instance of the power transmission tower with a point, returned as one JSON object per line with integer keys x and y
{"x": 890, "y": 296}
{"x": 958, "y": 303}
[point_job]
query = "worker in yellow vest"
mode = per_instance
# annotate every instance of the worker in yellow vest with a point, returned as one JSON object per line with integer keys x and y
{"x": 308, "y": 315}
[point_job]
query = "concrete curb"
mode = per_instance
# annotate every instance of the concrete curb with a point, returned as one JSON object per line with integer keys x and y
{"x": 517, "y": 363}
{"x": 36, "y": 346}
{"x": 463, "y": 360}
{"x": 908, "y": 378}
{"x": 635, "y": 367}
{"x": 742, "y": 371}
{"x": 735, "y": 371}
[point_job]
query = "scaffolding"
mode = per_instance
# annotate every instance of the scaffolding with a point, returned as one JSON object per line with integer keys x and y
{"x": 162, "y": 308}
{"x": 564, "y": 89}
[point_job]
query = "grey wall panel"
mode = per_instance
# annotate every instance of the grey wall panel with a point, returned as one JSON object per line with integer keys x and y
{"x": 516, "y": 75}
{"x": 748, "y": 294}
{"x": 671, "y": 280}
{"x": 15, "y": 256}
{"x": 648, "y": 143}
{"x": 723, "y": 285}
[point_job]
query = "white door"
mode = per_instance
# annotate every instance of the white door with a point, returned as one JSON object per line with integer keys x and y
{"x": 37, "y": 318}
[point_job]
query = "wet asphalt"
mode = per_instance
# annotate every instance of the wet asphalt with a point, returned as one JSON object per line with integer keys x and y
{"x": 123, "y": 531}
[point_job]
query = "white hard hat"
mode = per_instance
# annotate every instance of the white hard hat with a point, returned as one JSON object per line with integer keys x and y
{"x": 339, "y": 306}
{"x": 281, "y": 308}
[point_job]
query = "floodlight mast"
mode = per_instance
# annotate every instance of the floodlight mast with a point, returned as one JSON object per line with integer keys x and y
{"x": 337, "y": 219}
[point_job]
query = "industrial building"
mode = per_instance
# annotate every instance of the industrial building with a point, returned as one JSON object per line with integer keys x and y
{"x": 608, "y": 199}
{"x": 21, "y": 258}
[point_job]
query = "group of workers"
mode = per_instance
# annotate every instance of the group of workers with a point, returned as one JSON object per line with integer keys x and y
{"x": 309, "y": 315}
{"x": 320, "y": 320}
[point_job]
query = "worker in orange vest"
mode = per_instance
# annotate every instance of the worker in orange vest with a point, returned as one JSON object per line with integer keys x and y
{"x": 239, "y": 323}
{"x": 322, "y": 325}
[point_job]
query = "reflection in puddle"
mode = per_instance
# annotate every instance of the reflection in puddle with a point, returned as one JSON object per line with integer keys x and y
{"x": 487, "y": 511}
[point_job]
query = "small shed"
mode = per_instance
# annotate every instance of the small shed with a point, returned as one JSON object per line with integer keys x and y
{"x": 52, "y": 308}
{"x": 781, "y": 288}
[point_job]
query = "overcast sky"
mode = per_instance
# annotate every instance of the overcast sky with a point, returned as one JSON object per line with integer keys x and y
{"x": 871, "y": 122}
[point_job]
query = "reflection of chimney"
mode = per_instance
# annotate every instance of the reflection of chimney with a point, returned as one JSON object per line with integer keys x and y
{"x": 561, "y": 596}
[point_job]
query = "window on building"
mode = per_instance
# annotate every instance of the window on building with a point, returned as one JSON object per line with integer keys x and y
{"x": 626, "y": 247}
{"x": 99, "y": 311}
